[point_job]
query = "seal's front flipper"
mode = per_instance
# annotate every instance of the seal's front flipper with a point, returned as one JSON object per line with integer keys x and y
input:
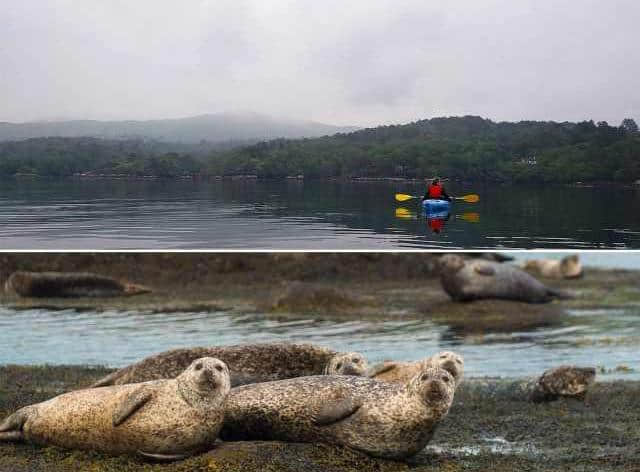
{"x": 484, "y": 269}
{"x": 381, "y": 368}
{"x": 108, "y": 380}
{"x": 130, "y": 404}
{"x": 337, "y": 410}
{"x": 163, "y": 457}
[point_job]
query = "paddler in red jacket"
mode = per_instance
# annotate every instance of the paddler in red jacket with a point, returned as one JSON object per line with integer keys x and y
{"x": 436, "y": 191}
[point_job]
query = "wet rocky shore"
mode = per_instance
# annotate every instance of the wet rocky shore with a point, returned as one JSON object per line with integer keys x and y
{"x": 322, "y": 286}
{"x": 488, "y": 428}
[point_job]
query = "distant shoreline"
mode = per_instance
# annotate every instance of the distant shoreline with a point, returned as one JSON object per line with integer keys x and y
{"x": 253, "y": 178}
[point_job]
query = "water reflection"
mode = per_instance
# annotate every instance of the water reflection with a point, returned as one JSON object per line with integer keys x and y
{"x": 607, "y": 338}
{"x": 311, "y": 215}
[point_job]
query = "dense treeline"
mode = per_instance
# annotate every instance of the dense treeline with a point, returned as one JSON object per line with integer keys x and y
{"x": 468, "y": 148}
{"x": 60, "y": 157}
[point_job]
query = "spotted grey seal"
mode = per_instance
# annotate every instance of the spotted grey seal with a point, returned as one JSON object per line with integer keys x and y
{"x": 162, "y": 419}
{"x": 69, "y": 284}
{"x": 565, "y": 381}
{"x": 248, "y": 363}
{"x": 476, "y": 279}
{"x": 379, "y": 418}
{"x": 402, "y": 372}
{"x": 568, "y": 267}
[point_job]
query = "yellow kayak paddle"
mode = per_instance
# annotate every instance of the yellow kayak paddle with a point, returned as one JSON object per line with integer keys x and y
{"x": 471, "y": 198}
{"x": 404, "y": 213}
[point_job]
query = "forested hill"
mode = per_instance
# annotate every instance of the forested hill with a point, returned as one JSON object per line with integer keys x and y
{"x": 215, "y": 128}
{"x": 467, "y": 147}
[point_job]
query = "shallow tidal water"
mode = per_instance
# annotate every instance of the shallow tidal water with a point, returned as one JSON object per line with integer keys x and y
{"x": 605, "y": 338}
{"x": 137, "y": 214}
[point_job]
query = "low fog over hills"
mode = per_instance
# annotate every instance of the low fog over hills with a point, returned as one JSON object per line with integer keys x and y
{"x": 212, "y": 127}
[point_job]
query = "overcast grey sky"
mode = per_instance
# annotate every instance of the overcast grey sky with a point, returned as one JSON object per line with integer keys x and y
{"x": 360, "y": 62}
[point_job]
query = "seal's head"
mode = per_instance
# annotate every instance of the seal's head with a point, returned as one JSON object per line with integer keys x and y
{"x": 435, "y": 387}
{"x": 205, "y": 380}
{"x": 449, "y": 361}
{"x": 450, "y": 263}
{"x": 570, "y": 266}
{"x": 564, "y": 381}
{"x": 17, "y": 282}
{"x": 349, "y": 363}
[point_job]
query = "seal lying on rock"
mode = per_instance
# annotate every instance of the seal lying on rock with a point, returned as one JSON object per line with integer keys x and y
{"x": 379, "y": 418}
{"x": 248, "y": 363}
{"x": 567, "y": 268}
{"x": 476, "y": 279}
{"x": 403, "y": 372}
{"x": 69, "y": 284}
{"x": 164, "y": 419}
{"x": 563, "y": 381}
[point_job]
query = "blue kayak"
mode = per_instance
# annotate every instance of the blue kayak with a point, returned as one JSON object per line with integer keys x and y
{"x": 436, "y": 206}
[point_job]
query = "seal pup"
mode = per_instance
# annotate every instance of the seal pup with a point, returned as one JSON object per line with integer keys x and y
{"x": 379, "y": 418}
{"x": 248, "y": 363}
{"x": 568, "y": 267}
{"x": 69, "y": 284}
{"x": 477, "y": 279}
{"x": 162, "y": 419}
{"x": 402, "y": 372}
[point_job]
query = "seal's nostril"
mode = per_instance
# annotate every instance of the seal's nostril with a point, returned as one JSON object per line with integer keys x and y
{"x": 339, "y": 366}
{"x": 219, "y": 368}
{"x": 199, "y": 366}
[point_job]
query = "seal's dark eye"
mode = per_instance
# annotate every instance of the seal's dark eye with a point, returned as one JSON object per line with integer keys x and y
{"x": 424, "y": 377}
{"x": 458, "y": 361}
{"x": 339, "y": 366}
{"x": 443, "y": 356}
{"x": 199, "y": 366}
{"x": 356, "y": 360}
{"x": 219, "y": 368}
{"x": 446, "y": 378}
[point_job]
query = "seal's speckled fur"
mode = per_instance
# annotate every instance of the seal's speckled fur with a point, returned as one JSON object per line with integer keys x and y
{"x": 379, "y": 418}
{"x": 164, "y": 419}
{"x": 248, "y": 363}
{"x": 403, "y": 372}
{"x": 476, "y": 279}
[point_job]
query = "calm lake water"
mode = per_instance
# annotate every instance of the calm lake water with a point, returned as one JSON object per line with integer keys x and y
{"x": 119, "y": 214}
{"x": 606, "y": 338}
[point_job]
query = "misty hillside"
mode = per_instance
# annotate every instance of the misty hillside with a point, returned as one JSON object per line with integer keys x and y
{"x": 215, "y": 127}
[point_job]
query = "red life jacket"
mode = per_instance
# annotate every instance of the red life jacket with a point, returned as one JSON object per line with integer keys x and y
{"x": 436, "y": 224}
{"x": 435, "y": 191}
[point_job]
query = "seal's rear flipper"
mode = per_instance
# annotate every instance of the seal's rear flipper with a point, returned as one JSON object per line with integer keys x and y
{"x": 11, "y": 436}
{"x": 337, "y": 410}
{"x": 163, "y": 457}
{"x": 11, "y": 428}
{"x": 561, "y": 294}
